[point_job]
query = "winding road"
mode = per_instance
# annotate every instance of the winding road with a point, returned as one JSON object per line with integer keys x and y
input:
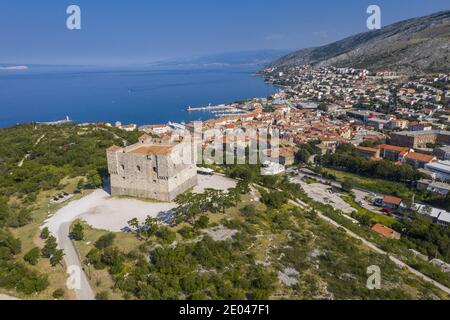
{"x": 59, "y": 226}
{"x": 84, "y": 291}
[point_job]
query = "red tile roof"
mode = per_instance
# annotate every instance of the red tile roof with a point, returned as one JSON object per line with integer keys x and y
{"x": 392, "y": 200}
{"x": 416, "y": 156}
{"x": 383, "y": 230}
{"x": 367, "y": 149}
{"x": 393, "y": 148}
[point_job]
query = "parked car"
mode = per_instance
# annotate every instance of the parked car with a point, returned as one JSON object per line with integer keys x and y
{"x": 378, "y": 202}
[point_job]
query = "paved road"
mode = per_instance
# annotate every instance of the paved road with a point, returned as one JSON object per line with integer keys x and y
{"x": 59, "y": 225}
{"x": 6, "y": 297}
{"x": 372, "y": 246}
{"x": 84, "y": 292}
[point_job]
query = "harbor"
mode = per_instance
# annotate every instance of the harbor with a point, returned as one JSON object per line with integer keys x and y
{"x": 211, "y": 108}
{"x": 219, "y": 110}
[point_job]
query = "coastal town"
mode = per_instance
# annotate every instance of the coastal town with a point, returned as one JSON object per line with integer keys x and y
{"x": 378, "y": 114}
{"x": 316, "y": 174}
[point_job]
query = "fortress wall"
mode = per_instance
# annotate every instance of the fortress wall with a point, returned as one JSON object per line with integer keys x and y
{"x": 160, "y": 177}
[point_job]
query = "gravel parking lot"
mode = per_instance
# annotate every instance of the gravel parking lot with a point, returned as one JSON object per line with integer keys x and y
{"x": 217, "y": 182}
{"x": 113, "y": 214}
{"x": 323, "y": 193}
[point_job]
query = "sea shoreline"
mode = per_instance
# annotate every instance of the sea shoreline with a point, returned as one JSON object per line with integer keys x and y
{"x": 130, "y": 97}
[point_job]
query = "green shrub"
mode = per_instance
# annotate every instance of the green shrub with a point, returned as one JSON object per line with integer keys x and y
{"x": 32, "y": 256}
{"x": 105, "y": 241}
{"x": 58, "y": 293}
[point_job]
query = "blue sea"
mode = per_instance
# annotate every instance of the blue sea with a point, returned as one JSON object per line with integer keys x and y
{"x": 135, "y": 95}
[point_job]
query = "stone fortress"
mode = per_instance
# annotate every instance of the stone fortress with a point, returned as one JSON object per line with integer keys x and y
{"x": 152, "y": 168}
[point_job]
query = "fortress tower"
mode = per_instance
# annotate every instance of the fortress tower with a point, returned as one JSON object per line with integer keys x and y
{"x": 152, "y": 169}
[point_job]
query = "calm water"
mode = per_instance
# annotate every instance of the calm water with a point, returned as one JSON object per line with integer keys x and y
{"x": 130, "y": 96}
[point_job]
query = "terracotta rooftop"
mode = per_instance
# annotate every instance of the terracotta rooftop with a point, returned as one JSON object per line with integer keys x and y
{"x": 392, "y": 200}
{"x": 383, "y": 230}
{"x": 417, "y": 156}
{"x": 146, "y": 150}
{"x": 367, "y": 149}
{"x": 393, "y": 148}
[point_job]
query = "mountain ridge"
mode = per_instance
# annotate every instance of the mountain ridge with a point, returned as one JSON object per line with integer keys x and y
{"x": 415, "y": 45}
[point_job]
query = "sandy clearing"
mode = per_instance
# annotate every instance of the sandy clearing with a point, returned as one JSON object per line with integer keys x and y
{"x": 215, "y": 182}
{"x": 113, "y": 214}
{"x": 102, "y": 211}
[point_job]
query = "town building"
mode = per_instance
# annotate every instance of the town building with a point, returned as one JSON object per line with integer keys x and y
{"x": 438, "y": 216}
{"x": 386, "y": 232}
{"x": 418, "y": 160}
{"x": 392, "y": 203}
{"x": 287, "y": 156}
{"x": 433, "y": 186}
{"x": 393, "y": 153}
{"x": 441, "y": 169}
{"x": 367, "y": 152}
{"x": 363, "y": 115}
{"x": 152, "y": 169}
{"x": 443, "y": 138}
{"x": 397, "y": 124}
{"x": 378, "y": 124}
{"x": 420, "y": 126}
{"x": 156, "y": 129}
{"x": 413, "y": 139}
{"x": 443, "y": 153}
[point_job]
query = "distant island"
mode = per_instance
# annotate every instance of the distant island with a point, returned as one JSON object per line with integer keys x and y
{"x": 13, "y": 68}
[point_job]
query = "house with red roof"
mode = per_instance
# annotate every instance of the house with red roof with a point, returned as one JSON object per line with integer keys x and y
{"x": 386, "y": 232}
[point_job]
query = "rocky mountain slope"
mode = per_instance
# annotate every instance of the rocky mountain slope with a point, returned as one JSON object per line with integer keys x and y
{"x": 411, "y": 46}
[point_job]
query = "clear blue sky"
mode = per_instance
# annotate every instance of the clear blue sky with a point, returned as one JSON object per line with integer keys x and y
{"x": 139, "y": 31}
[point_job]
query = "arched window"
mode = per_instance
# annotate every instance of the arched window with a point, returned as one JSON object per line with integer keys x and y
{"x": 123, "y": 167}
{"x": 139, "y": 168}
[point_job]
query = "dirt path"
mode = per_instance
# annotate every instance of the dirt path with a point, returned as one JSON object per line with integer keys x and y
{"x": 20, "y": 164}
